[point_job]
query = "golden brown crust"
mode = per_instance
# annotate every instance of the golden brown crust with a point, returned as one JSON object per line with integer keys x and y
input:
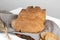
{"x": 16, "y": 25}
{"x": 49, "y": 36}
{"x": 30, "y": 20}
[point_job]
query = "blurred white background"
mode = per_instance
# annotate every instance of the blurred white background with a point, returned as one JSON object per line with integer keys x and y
{"x": 52, "y": 6}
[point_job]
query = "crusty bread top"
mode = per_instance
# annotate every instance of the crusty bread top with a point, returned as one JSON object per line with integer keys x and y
{"x": 30, "y": 19}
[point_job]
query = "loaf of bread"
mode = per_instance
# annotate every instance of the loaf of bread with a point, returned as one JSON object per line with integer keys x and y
{"x": 48, "y": 36}
{"x": 30, "y": 20}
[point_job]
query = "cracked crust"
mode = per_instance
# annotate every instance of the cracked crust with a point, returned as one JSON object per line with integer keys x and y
{"x": 30, "y": 19}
